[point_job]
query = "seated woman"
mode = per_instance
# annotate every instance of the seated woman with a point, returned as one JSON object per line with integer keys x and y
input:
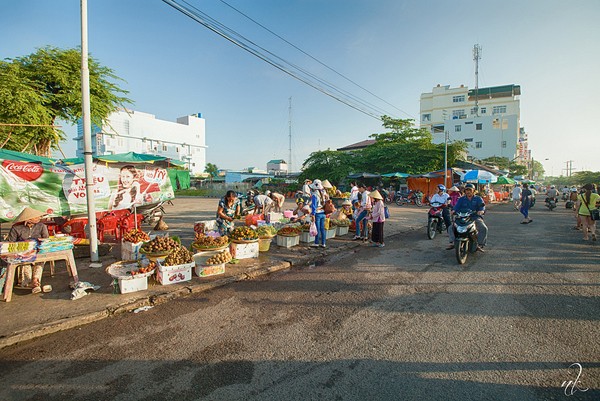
{"x": 302, "y": 211}
{"x": 229, "y": 208}
{"x": 27, "y": 226}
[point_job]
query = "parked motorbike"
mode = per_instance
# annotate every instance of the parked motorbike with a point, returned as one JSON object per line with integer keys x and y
{"x": 435, "y": 220}
{"x": 465, "y": 235}
{"x": 415, "y": 197}
{"x": 551, "y": 203}
{"x": 151, "y": 214}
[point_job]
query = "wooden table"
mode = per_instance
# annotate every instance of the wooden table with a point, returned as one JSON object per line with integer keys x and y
{"x": 67, "y": 256}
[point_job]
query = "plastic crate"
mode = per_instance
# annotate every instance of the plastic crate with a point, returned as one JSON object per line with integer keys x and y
{"x": 306, "y": 237}
{"x": 288, "y": 242}
{"x": 330, "y": 233}
{"x": 167, "y": 275}
{"x": 339, "y": 231}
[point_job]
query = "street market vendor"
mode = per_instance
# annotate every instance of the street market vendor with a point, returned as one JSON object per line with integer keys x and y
{"x": 229, "y": 208}
{"x": 302, "y": 211}
{"x": 278, "y": 200}
{"x": 27, "y": 226}
{"x": 264, "y": 204}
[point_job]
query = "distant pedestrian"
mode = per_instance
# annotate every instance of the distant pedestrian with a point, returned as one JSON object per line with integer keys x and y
{"x": 516, "y": 196}
{"x": 526, "y": 198}
{"x": 378, "y": 218}
{"x": 317, "y": 213}
{"x": 586, "y": 202}
{"x": 365, "y": 209}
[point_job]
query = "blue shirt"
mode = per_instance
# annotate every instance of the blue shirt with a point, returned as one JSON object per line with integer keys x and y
{"x": 476, "y": 204}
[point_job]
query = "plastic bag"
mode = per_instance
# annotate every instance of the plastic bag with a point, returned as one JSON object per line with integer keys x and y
{"x": 312, "y": 231}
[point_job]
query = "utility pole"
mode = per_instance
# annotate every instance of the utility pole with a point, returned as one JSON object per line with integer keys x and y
{"x": 87, "y": 137}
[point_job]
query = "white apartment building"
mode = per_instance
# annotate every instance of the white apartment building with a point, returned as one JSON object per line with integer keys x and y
{"x": 134, "y": 131}
{"x": 488, "y": 120}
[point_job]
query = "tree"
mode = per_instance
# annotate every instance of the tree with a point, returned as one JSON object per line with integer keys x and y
{"x": 40, "y": 88}
{"x": 211, "y": 169}
{"x": 327, "y": 164}
{"x": 401, "y": 131}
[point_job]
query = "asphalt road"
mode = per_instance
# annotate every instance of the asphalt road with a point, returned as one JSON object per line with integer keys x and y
{"x": 399, "y": 323}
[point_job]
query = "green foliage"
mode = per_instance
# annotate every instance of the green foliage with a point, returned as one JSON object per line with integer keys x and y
{"x": 211, "y": 169}
{"x": 578, "y": 178}
{"x": 405, "y": 149}
{"x": 45, "y": 86}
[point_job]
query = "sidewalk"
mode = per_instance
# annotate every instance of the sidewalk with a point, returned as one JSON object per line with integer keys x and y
{"x": 29, "y": 316}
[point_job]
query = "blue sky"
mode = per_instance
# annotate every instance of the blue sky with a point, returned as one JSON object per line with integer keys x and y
{"x": 396, "y": 49}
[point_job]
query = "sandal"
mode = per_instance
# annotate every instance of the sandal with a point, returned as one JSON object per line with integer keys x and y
{"x": 47, "y": 288}
{"x": 36, "y": 290}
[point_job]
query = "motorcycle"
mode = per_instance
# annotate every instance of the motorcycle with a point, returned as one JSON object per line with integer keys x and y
{"x": 415, "y": 197}
{"x": 465, "y": 235}
{"x": 153, "y": 213}
{"x": 551, "y": 203}
{"x": 435, "y": 220}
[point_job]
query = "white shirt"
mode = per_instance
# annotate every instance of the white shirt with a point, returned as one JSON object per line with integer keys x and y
{"x": 516, "y": 193}
{"x": 354, "y": 194}
{"x": 443, "y": 198}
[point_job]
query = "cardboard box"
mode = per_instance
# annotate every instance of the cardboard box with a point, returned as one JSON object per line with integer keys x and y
{"x": 274, "y": 216}
{"x": 288, "y": 242}
{"x": 209, "y": 270}
{"x": 244, "y": 251}
{"x": 205, "y": 226}
{"x": 127, "y": 285}
{"x": 131, "y": 251}
{"x": 341, "y": 231}
{"x": 306, "y": 237}
{"x": 330, "y": 233}
{"x": 174, "y": 274}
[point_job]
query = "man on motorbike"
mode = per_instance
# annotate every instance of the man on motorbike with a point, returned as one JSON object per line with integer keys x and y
{"x": 552, "y": 194}
{"x": 473, "y": 202}
{"x": 443, "y": 198}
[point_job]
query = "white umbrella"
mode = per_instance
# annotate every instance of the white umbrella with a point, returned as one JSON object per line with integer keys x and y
{"x": 480, "y": 176}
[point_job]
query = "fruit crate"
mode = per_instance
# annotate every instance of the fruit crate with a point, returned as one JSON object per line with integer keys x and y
{"x": 167, "y": 275}
{"x": 244, "y": 251}
{"x": 131, "y": 251}
{"x": 306, "y": 237}
{"x": 209, "y": 270}
{"x": 330, "y": 233}
{"x": 288, "y": 242}
{"x": 341, "y": 230}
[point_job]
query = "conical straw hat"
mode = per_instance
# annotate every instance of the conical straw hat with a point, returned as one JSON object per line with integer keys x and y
{"x": 376, "y": 195}
{"x": 27, "y": 214}
{"x": 326, "y": 184}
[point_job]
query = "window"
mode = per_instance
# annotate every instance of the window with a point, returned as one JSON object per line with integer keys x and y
{"x": 496, "y": 123}
{"x": 438, "y": 129}
{"x": 458, "y": 114}
{"x": 457, "y": 128}
{"x": 478, "y": 145}
{"x": 468, "y": 122}
{"x": 479, "y": 126}
{"x": 468, "y": 139}
{"x": 504, "y": 144}
{"x": 426, "y": 117}
{"x": 177, "y": 149}
{"x": 474, "y": 110}
{"x": 482, "y": 110}
{"x": 499, "y": 110}
{"x": 164, "y": 148}
{"x": 458, "y": 99}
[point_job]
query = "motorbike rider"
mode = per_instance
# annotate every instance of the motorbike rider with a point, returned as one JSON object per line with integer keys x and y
{"x": 443, "y": 198}
{"x": 473, "y": 202}
{"x": 552, "y": 194}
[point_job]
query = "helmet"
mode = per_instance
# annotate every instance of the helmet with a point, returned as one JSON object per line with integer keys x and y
{"x": 471, "y": 186}
{"x": 267, "y": 192}
{"x": 441, "y": 187}
{"x": 573, "y": 189}
{"x": 552, "y": 187}
{"x": 300, "y": 200}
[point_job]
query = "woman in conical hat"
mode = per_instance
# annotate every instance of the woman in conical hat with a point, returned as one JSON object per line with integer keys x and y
{"x": 27, "y": 226}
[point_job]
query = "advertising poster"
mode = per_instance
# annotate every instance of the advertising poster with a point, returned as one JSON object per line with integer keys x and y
{"x": 61, "y": 190}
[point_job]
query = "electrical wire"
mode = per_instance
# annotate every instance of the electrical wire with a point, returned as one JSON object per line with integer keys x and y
{"x": 277, "y": 62}
{"x": 315, "y": 59}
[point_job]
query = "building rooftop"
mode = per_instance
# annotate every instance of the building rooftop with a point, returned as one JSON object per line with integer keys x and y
{"x": 358, "y": 145}
{"x": 496, "y": 91}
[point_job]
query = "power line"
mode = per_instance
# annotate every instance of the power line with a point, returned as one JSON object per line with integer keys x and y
{"x": 246, "y": 44}
{"x": 315, "y": 59}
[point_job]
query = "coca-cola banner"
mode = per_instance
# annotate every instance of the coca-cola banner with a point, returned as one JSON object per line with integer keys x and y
{"x": 61, "y": 190}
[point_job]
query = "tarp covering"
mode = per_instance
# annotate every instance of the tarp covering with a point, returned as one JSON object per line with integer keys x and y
{"x": 180, "y": 179}
{"x": 396, "y": 175}
{"x": 427, "y": 183}
{"x": 61, "y": 190}
{"x": 25, "y": 157}
{"x": 364, "y": 175}
{"x": 132, "y": 157}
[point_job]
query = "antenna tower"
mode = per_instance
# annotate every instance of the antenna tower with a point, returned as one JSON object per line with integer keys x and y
{"x": 290, "y": 137}
{"x": 476, "y": 58}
